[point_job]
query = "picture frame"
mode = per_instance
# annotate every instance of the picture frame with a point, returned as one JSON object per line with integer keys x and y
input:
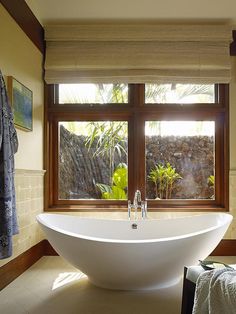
{"x": 21, "y": 98}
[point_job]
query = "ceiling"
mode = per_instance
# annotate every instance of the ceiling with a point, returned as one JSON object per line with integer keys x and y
{"x": 55, "y": 11}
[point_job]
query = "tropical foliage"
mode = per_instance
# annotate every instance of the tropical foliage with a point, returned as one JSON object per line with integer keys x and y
{"x": 118, "y": 190}
{"x": 211, "y": 180}
{"x": 166, "y": 93}
{"x": 93, "y": 93}
{"x": 109, "y": 138}
{"x": 164, "y": 178}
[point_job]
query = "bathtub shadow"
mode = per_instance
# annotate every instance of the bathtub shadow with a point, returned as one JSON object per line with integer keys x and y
{"x": 77, "y": 295}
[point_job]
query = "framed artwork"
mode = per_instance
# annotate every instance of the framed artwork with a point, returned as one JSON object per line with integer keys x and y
{"x": 21, "y": 99}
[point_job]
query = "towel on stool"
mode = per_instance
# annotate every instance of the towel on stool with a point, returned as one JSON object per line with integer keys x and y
{"x": 215, "y": 292}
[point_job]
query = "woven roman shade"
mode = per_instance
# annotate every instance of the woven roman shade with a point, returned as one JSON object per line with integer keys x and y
{"x": 137, "y": 53}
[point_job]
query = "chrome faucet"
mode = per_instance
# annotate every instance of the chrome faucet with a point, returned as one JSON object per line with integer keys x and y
{"x": 137, "y": 199}
{"x": 137, "y": 203}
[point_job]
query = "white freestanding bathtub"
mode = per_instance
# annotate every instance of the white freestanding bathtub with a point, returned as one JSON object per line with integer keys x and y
{"x": 115, "y": 255}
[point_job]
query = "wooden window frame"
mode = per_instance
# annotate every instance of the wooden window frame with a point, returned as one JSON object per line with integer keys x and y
{"x": 136, "y": 112}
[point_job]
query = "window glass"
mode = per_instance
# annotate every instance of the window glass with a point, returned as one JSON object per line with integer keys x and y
{"x": 179, "y": 93}
{"x": 93, "y": 93}
{"x": 93, "y": 160}
{"x": 180, "y": 159}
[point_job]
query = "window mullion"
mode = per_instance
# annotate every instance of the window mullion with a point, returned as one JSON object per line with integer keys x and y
{"x": 137, "y": 141}
{"x": 139, "y": 154}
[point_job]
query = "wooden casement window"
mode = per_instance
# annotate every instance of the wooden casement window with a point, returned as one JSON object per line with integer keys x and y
{"x": 175, "y": 151}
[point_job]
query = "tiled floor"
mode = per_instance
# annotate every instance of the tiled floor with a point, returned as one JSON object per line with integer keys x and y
{"x": 52, "y": 286}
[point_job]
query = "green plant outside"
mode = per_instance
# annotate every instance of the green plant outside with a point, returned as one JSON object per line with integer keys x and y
{"x": 110, "y": 137}
{"x": 119, "y": 184}
{"x": 211, "y": 180}
{"x": 164, "y": 178}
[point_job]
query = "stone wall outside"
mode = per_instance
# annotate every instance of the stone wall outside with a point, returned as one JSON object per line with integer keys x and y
{"x": 192, "y": 156}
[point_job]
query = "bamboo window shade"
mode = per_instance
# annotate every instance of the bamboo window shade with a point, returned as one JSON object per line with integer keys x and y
{"x": 140, "y": 53}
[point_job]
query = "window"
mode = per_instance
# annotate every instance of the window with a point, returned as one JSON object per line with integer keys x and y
{"x": 93, "y": 160}
{"x": 107, "y": 140}
{"x": 180, "y": 159}
{"x": 179, "y": 93}
{"x": 92, "y": 93}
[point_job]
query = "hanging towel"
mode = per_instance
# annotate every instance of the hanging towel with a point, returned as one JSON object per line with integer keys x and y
{"x": 216, "y": 292}
{"x": 8, "y": 146}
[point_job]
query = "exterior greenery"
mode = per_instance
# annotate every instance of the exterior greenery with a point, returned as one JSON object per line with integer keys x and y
{"x": 164, "y": 178}
{"x": 118, "y": 190}
{"x": 110, "y": 138}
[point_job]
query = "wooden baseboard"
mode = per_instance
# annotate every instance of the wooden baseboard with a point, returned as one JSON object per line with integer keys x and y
{"x": 226, "y": 247}
{"x": 49, "y": 250}
{"x": 21, "y": 263}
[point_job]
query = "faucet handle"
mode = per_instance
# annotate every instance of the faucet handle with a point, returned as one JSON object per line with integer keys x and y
{"x": 129, "y": 209}
{"x": 137, "y": 197}
{"x": 144, "y": 209}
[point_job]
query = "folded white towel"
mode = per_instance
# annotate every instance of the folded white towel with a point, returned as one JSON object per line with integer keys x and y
{"x": 216, "y": 292}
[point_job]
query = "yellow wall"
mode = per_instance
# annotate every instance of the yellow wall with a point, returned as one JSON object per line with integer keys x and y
{"x": 21, "y": 59}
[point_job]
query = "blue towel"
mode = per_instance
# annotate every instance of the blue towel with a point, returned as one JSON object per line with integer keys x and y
{"x": 8, "y": 146}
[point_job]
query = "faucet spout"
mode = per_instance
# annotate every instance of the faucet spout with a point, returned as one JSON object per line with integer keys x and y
{"x": 137, "y": 203}
{"x": 137, "y": 198}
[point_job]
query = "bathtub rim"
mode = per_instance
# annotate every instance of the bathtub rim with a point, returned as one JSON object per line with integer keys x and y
{"x": 228, "y": 221}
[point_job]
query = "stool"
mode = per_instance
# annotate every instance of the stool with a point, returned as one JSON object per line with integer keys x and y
{"x": 189, "y": 284}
